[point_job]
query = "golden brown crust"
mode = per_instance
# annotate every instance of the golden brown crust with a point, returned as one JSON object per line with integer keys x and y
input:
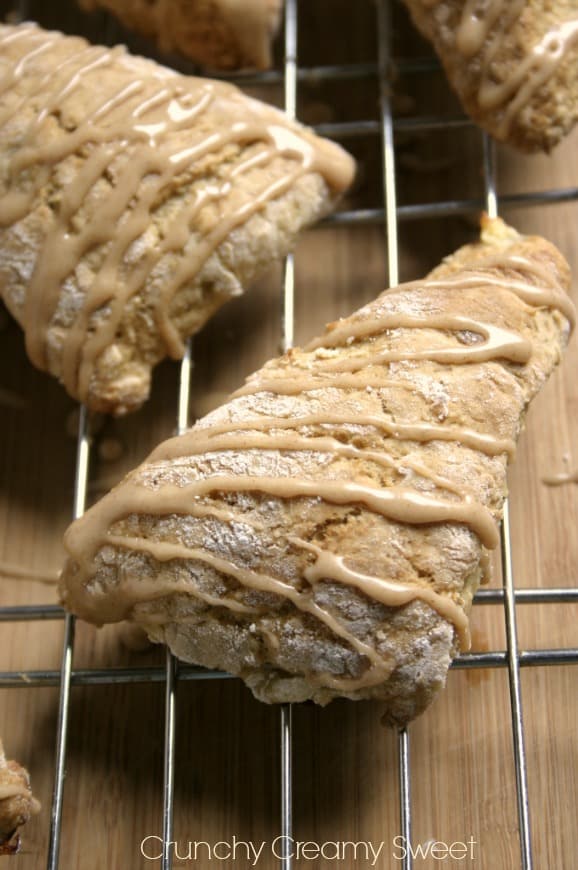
{"x": 17, "y": 803}
{"x": 222, "y": 34}
{"x": 323, "y": 533}
{"x": 135, "y": 202}
{"x": 516, "y": 74}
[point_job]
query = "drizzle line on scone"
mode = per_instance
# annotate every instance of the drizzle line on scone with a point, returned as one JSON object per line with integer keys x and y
{"x": 144, "y": 116}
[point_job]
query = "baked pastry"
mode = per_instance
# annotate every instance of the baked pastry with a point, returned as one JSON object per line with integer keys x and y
{"x": 513, "y": 63}
{"x": 134, "y": 202}
{"x": 322, "y": 534}
{"x": 223, "y": 34}
{"x": 16, "y": 803}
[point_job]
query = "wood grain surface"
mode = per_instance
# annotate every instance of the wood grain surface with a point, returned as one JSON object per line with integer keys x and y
{"x": 346, "y": 777}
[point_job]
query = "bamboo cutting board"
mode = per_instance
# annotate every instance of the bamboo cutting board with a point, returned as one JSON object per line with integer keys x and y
{"x": 345, "y": 777}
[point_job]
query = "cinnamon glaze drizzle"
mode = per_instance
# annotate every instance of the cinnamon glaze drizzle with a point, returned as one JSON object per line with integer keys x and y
{"x": 482, "y": 35}
{"x": 13, "y": 790}
{"x": 314, "y": 430}
{"x": 560, "y": 479}
{"x": 136, "y": 142}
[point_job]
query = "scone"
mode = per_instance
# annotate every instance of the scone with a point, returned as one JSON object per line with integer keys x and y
{"x": 513, "y": 63}
{"x": 16, "y": 803}
{"x": 322, "y": 534}
{"x": 222, "y": 34}
{"x": 134, "y": 202}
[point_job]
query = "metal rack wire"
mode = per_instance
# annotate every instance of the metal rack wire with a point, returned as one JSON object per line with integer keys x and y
{"x": 391, "y": 214}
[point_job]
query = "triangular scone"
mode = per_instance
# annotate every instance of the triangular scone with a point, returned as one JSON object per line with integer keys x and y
{"x": 17, "y": 803}
{"x": 513, "y": 64}
{"x": 222, "y": 34}
{"x": 135, "y": 201}
{"x": 322, "y": 534}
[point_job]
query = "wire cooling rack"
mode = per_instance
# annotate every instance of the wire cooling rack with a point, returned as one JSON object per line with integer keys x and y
{"x": 508, "y": 597}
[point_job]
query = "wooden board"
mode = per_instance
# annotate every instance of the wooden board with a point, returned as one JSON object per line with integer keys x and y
{"x": 346, "y": 780}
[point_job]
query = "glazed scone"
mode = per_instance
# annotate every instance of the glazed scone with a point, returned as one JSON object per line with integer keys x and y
{"x": 17, "y": 803}
{"x": 513, "y": 63}
{"x": 322, "y": 534}
{"x": 134, "y": 202}
{"x": 222, "y": 34}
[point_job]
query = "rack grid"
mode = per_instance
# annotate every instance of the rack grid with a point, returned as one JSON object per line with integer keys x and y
{"x": 390, "y": 215}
